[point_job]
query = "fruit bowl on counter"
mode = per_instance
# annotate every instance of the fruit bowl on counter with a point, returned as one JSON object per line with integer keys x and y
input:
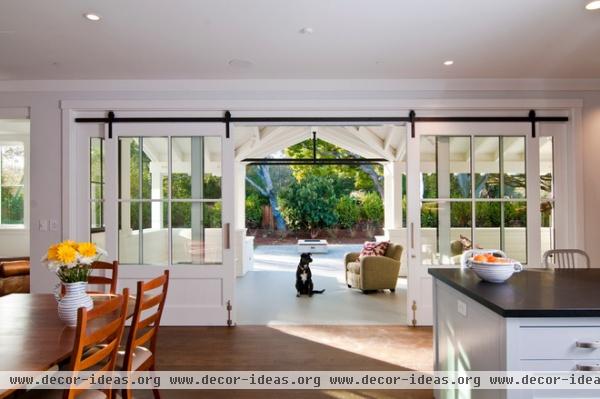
{"x": 493, "y": 268}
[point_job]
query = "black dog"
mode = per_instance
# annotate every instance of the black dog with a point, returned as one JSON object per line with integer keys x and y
{"x": 304, "y": 283}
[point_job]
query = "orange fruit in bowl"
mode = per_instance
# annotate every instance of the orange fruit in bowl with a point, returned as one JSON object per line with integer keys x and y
{"x": 479, "y": 258}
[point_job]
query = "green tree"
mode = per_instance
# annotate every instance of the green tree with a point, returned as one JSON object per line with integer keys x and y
{"x": 347, "y": 212}
{"x": 309, "y": 204}
{"x": 347, "y": 178}
{"x": 254, "y": 204}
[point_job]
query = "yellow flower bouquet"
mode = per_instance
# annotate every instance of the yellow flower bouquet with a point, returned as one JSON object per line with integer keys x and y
{"x": 71, "y": 261}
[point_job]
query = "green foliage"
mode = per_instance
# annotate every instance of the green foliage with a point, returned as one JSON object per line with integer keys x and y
{"x": 212, "y": 215}
{"x": 372, "y": 208}
{"x": 345, "y": 178}
{"x": 347, "y": 212}
{"x": 254, "y": 204}
{"x": 309, "y": 203}
{"x": 12, "y": 205}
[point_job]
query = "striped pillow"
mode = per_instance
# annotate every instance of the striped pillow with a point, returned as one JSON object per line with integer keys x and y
{"x": 374, "y": 249}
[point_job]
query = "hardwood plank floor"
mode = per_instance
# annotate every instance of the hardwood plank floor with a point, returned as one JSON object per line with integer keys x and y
{"x": 377, "y": 348}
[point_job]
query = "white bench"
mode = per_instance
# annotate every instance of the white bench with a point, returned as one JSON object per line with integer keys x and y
{"x": 313, "y": 246}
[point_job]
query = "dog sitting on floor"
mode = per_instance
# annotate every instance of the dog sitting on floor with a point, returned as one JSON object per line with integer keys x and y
{"x": 304, "y": 283}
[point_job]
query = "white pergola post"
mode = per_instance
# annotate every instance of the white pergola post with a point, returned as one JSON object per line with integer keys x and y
{"x": 240, "y": 216}
{"x": 156, "y": 194}
{"x": 392, "y": 203}
{"x": 392, "y": 189}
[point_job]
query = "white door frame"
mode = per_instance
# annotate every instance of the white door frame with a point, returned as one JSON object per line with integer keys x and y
{"x": 338, "y": 108}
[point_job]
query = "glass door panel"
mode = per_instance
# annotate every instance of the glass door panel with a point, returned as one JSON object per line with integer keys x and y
{"x": 169, "y": 194}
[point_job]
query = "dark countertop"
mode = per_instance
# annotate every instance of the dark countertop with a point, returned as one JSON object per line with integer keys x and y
{"x": 531, "y": 293}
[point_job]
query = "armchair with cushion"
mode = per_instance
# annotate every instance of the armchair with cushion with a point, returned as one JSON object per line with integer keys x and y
{"x": 371, "y": 273}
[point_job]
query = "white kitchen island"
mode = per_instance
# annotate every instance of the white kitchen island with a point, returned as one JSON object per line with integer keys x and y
{"x": 538, "y": 320}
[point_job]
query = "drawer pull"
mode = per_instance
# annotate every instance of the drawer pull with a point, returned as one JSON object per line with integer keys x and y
{"x": 588, "y": 367}
{"x": 588, "y": 345}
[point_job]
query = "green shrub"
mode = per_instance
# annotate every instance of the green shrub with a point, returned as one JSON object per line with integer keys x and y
{"x": 254, "y": 211}
{"x": 309, "y": 203}
{"x": 347, "y": 212}
{"x": 372, "y": 208}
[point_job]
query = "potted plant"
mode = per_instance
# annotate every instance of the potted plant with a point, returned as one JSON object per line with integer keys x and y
{"x": 72, "y": 263}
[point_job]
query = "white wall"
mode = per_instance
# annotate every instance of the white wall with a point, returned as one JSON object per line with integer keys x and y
{"x": 43, "y": 99}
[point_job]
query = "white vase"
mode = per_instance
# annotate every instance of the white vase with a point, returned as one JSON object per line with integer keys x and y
{"x": 75, "y": 297}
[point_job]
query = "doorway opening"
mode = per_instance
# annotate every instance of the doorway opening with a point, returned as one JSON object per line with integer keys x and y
{"x": 15, "y": 206}
{"x": 325, "y": 190}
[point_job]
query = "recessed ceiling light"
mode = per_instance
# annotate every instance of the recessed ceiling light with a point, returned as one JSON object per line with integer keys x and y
{"x": 237, "y": 63}
{"x": 448, "y": 62}
{"x": 306, "y": 31}
{"x": 92, "y": 17}
{"x": 593, "y": 5}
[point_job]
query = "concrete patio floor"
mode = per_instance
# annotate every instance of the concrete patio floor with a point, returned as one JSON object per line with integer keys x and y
{"x": 267, "y": 295}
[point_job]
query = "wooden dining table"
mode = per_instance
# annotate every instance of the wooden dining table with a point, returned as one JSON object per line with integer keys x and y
{"x": 32, "y": 337}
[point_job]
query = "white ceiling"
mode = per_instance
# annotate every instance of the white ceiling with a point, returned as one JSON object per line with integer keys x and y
{"x": 195, "y": 39}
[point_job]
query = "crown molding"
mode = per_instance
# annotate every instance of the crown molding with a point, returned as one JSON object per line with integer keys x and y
{"x": 301, "y": 85}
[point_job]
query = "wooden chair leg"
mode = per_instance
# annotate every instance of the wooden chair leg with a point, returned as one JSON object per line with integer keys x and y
{"x": 155, "y": 391}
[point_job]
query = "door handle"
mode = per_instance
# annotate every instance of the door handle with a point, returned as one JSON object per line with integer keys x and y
{"x": 588, "y": 344}
{"x": 226, "y": 236}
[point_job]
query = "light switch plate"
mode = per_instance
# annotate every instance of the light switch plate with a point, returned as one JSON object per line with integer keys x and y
{"x": 53, "y": 225}
{"x": 462, "y": 308}
{"x": 43, "y": 225}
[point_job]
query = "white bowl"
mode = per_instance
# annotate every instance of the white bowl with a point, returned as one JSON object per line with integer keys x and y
{"x": 494, "y": 272}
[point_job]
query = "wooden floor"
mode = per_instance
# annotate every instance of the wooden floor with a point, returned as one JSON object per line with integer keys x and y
{"x": 377, "y": 348}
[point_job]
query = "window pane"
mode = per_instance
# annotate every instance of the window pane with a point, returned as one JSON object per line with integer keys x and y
{"x": 429, "y": 167}
{"x": 155, "y": 164}
{"x": 488, "y": 220}
{"x": 129, "y": 168}
{"x": 487, "y": 167}
{"x": 459, "y": 166}
{"x": 12, "y": 205}
{"x": 547, "y": 228}
{"x": 445, "y": 231}
{"x": 96, "y": 160}
{"x": 546, "y": 167}
{"x": 196, "y": 233}
{"x": 515, "y": 230}
{"x": 129, "y": 237}
{"x": 513, "y": 149}
{"x": 154, "y": 237}
{"x": 196, "y": 172}
{"x": 97, "y": 221}
{"x": 13, "y": 164}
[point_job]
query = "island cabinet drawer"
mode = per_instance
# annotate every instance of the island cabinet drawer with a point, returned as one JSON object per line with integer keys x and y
{"x": 559, "y": 343}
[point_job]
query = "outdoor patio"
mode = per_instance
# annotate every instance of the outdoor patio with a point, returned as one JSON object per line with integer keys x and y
{"x": 266, "y": 295}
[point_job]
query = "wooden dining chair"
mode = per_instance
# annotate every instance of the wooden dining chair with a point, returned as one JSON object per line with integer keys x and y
{"x": 140, "y": 349}
{"x": 111, "y": 281}
{"x": 97, "y": 338}
{"x": 566, "y": 258}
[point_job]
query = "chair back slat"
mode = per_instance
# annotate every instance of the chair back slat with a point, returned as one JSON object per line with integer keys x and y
{"x": 145, "y": 337}
{"x": 566, "y": 258}
{"x": 146, "y": 317}
{"x": 100, "y": 327}
{"x": 111, "y": 281}
{"x": 152, "y": 302}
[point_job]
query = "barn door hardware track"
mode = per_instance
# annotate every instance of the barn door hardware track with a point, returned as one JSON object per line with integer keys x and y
{"x": 227, "y": 119}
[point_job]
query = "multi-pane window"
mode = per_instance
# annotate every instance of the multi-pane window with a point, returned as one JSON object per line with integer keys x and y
{"x": 473, "y": 196}
{"x": 170, "y": 200}
{"x": 97, "y": 184}
{"x": 12, "y": 184}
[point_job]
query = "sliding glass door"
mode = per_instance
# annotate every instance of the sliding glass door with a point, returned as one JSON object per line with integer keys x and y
{"x": 478, "y": 186}
{"x": 168, "y": 203}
